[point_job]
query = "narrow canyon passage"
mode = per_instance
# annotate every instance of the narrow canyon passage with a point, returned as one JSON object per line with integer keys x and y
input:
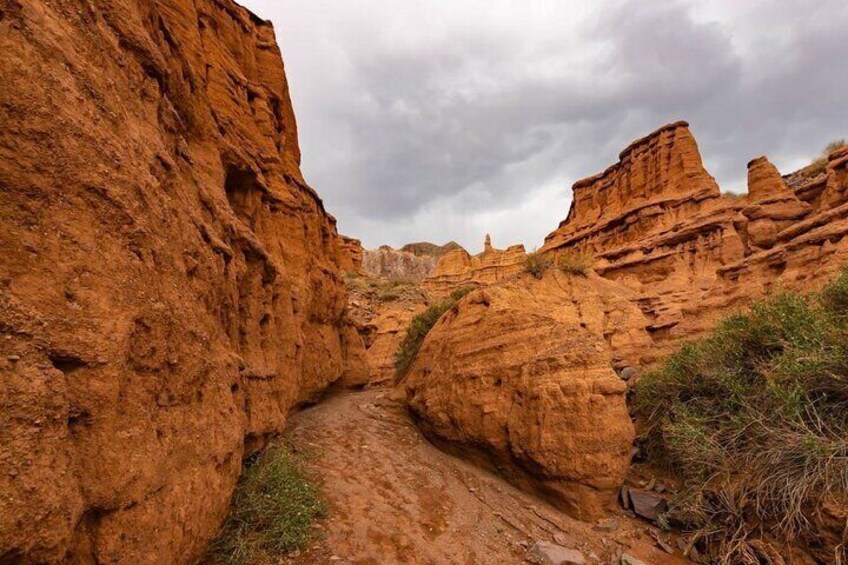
{"x": 395, "y": 498}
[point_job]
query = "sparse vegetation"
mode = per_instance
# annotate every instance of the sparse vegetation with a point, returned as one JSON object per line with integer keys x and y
{"x": 820, "y": 164}
{"x": 272, "y": 512}
{"x": 418, "y": 329}
{"x": 382, "y": 289}
{"x": 575, "y": 262}
{"x": 754, "y": 420}
{"x": 834, "y": 145}
{"x": 536, "y": 264}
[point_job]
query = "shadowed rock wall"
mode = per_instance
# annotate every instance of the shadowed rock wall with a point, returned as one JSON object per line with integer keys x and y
{"x": 169, "y": 285}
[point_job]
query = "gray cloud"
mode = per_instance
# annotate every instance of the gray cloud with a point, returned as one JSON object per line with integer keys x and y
{"x": 437, "y": 120}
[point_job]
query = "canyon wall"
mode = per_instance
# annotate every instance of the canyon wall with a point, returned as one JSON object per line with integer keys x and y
{"x": 351, "y": 254}
{"x": 169, "y": 285}
{"x": 524, "y": 372}
{"x": 657, "y": 223}
{"x": 397, "y": 264}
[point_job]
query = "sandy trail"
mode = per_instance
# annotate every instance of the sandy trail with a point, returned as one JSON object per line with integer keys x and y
{"x": 395, "y": 498}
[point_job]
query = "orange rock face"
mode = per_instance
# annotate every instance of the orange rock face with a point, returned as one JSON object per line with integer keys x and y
{"x": 169, "y": 285}
{"x": 381, "y": 310}
{"x": 520, "y": 373}
{"x": 457, "y": 268}
{"x": 657, "y": 223}
{"x": 350, "y": 254}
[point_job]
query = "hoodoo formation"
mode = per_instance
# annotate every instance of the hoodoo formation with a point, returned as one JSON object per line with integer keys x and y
{"x": 657, "y": 223}
{"x": 171, "y": 290}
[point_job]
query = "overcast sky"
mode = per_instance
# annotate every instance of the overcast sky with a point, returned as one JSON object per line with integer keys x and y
{"x": 447, "y": 119}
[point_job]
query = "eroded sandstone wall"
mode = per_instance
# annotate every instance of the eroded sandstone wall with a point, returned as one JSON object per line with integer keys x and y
{"x": 457, "y": 268}
{"x": 350, "y": 254}
{"x": 521, "y": 374}
{"x": 391, "y": 263}
{"x": 657, "y": 223}
{"x": 169, "y": 285}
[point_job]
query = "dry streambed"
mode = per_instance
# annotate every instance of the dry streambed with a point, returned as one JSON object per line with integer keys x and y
{"x": 395, "y": 498}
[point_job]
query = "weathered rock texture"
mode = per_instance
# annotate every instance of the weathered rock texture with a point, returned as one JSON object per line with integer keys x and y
{"x": 390, "y": 263}
{"x": 169, "y": 286}
{"x": 520, "y": 372}
{"x": 381, "y": 309}
{"x": 350, "y": 254}
{"x": 427, "y": 249}
{"x": 457, "y": 268}
{"x": 657, "y": 223}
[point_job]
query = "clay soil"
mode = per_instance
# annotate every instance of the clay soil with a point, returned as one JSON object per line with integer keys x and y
{"x": 395, "y": 498}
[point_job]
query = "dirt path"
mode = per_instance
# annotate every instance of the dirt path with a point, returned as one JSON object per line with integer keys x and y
{"x": 395, "y": 498}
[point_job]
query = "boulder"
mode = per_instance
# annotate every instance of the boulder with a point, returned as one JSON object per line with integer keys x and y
{"x": 545, "y": 553}
{"x": 646, "y": 504}
{"x": 520, "y": 373}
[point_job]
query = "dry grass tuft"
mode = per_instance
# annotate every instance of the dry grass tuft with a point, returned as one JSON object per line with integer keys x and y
{"x": 536, "y": 264}
{"x": 754, "y": 419}
{"x": 575, "y": 262}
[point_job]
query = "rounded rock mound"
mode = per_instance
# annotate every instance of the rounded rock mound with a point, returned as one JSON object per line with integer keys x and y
{"x": 520, "y": 375}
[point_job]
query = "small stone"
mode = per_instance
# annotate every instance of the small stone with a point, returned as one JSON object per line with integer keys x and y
{"x": 335, "y": 558}
{"x": 624, "y": 497}
{"x": 663, "y": 545}
{"x": 606, "y": 526}
{"x": 647, "y": 504}
{"x": 628, "y": 373}
{"x": 14, "y": 358}
{"x": 544, "y": 553}
{"x": 627, "y": 559}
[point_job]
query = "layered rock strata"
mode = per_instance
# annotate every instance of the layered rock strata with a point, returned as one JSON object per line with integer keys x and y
{"x": 389, "y": 263}
{"x": 169, "y": 285}
{"x": 520, "y": 373}
{"x": 381, "y": 310}
{"x": 457, "y": 268}
{"x": 427, "y": 249}
{"x": 350, "y": 254}
{"x": 657, "y": 223}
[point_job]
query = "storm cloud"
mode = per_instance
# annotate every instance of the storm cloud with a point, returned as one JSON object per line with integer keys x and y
{"x": 446, "y": 119}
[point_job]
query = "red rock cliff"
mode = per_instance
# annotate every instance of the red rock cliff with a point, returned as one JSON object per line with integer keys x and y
{"x": 457, "y": 268}
{"x": 168, "y": 282}
{"x": 657, "y": 223}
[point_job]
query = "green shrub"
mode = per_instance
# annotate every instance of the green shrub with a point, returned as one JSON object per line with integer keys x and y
{"x": 272, "y": 511}
{"x": 418, "y": 329}
{"x": 754, "y": 420}
{"x": 536, "y": 264}
{"x": 575, "y": 262}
